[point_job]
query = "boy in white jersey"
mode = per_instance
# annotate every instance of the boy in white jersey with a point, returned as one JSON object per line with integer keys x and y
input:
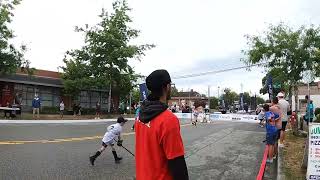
{"x": 113, "y": 131}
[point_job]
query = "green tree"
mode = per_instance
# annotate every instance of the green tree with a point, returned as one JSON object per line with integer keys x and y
{"x": 102, "y": 63}
{"x": 246, "y": 98}
{"x": 229, "y": 97}
{"x": 174, "y": 92}
{"x": 260, "y": 100}
{"x": 135, "y": 95}
{"x": 214, "y": 103}
{"x": 292, "y": 51}
{"x": 10, "y": 58}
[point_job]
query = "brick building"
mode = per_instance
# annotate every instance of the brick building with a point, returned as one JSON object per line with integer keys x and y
{"x": 190, "y": 98}
{"x": 20, "y": 88}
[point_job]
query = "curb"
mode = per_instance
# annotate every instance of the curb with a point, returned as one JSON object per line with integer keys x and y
{"x": 280, "y": 174}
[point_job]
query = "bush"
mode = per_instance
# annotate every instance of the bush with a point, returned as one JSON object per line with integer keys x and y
{"x": 317, "y": 111}
{"x": 317, "y": 120}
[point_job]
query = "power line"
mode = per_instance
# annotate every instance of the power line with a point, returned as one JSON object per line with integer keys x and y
{"x": 215, "y": 71}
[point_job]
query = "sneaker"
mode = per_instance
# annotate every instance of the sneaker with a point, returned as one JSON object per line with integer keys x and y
{"x": 92, "y": 160}
{"x": 281, "y": 145}
{"x": 118, "y": 160}
{"x": 269, "y": 161}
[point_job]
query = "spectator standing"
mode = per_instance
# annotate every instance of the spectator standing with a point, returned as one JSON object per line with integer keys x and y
{"x": 7, "y": 111}
{"x": 79, "y": 109}
{"x": 74, "y": 109}
{"x": 271, "y": 131}
{"x": 284, "y": 107}
{"x": 98, "y": 110}
{"x": 260, "y": 116}
{"x": 36, "y": 104}
{"x": 136, "y": 116}
{"x": 159, "y": 146}
{"x": 275, "y": 108}
{"x": 309, "y": 111}
{"x": 61, "y": 109}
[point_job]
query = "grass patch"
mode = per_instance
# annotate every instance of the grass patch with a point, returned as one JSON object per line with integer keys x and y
{"x": 293, "y": 156}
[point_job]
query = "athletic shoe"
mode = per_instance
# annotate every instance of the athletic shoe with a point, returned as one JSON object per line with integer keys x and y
{"x": 269, "y": 161}
{"x": 281, "y": 145}
{"x": 118, "y": 160}
{"x": 92, "y": 160}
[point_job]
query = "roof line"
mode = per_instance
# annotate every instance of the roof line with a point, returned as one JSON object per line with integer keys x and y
{"x": 30, "y": 83}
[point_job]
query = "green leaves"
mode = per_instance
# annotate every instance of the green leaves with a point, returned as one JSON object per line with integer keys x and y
{"x": 288, "y": 52}
{"x": 10, "y": 57}
{"x": 104, "y": 58}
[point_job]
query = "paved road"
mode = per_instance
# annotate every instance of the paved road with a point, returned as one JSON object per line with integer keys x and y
{"x": 220, "y": 150}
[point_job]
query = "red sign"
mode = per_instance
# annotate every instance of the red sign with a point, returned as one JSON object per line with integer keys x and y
{"x": 7, "y": 94}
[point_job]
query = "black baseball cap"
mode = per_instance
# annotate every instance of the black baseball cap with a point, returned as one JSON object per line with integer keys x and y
{"x": 121, "y": 120}
{"x": 158, "y": 79}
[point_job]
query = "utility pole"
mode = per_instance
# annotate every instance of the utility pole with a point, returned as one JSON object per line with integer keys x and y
{"x": 209, "y": 97}
{"x": 130, "y": 102}
{"x": 109, "y": 98}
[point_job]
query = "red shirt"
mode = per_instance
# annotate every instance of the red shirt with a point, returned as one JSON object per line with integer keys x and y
{"x": 157, "y": 142}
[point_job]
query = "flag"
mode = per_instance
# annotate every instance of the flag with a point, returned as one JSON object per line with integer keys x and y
{"x": 143, "y": 91}
{"x": 270, "y": 87}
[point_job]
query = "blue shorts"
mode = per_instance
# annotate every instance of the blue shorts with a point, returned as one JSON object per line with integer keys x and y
{"x": 271, "y": 138}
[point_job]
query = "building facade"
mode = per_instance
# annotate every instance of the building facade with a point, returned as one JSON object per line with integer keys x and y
{"x": 314, "y": 96}
{"x": 20, "y": 88}
{"x": 188, "y": 98}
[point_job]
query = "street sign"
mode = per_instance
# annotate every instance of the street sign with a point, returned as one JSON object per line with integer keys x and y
{"x": 313, "y": 171}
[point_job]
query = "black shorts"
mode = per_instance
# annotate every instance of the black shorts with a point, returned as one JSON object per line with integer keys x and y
{"x": 284, "y": 124}
{"x": 278, "y": 134}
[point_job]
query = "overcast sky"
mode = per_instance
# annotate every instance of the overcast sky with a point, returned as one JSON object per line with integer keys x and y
{"x": 190, "y": 36}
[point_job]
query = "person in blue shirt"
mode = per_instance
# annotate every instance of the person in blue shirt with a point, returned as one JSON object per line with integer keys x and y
{"x": 271, "y": 129}
{"x": 36, "y": 104}
{"x": 136, "y": 114}
{"x": 309, "y": 111}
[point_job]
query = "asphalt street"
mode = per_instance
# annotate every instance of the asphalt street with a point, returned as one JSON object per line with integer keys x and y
{"x": 219, "y": 150}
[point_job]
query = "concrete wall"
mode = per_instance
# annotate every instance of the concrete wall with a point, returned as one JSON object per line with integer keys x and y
{"x": 302, "y": 106}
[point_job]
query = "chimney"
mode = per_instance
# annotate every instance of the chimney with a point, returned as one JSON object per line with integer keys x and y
{"x": 191, "y": 90}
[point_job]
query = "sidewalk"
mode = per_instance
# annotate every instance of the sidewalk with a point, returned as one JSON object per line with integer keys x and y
{"x": 58, "y": 121}
{"x": 28, "y": 116}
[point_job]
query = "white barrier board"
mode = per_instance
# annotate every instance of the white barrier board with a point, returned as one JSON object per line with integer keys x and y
{"x": 224, "y": 117}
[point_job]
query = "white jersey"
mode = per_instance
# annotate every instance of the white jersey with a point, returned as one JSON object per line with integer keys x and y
{"x": 113, "y": 131}
{"x": 61, "y": 106}
{"x": 284, "y": 107}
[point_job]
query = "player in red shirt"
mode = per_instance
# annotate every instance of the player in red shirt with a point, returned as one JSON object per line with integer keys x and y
{"x": 159, "y": 146}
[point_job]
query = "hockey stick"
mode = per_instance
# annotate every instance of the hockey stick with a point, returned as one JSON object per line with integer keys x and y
{"x": 126, "y": 149}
